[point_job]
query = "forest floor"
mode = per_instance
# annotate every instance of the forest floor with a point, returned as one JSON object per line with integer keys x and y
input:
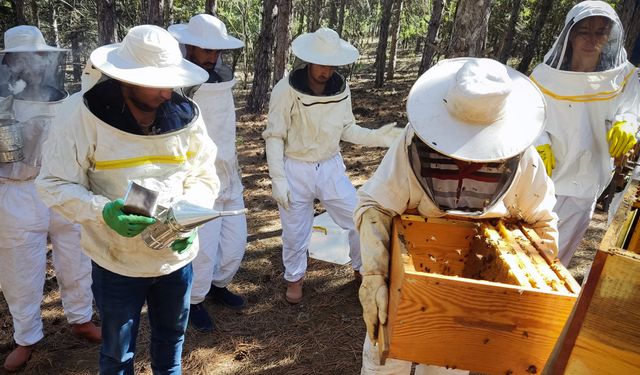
{"x": 321, "y": 335}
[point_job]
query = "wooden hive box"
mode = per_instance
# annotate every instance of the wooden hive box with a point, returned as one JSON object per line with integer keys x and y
{"x": 602, "y": 335}
{"x": 441, "y": 314}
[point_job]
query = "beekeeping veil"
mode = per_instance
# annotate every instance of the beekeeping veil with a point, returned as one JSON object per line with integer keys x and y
{"x": 473, "y": 118}
{"x": 31, "y": 69}
{"x": 612, "y": 54}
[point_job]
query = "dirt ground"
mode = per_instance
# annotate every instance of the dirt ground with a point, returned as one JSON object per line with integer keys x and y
{"x": 321, "y": 335}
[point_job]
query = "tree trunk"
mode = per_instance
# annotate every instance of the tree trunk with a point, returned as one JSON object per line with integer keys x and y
{"x": 530, "y": 48}
{"x": 211, "y": 7}
{"x": 35, "y": 14}
{"x": 381, "y": 50}
{"x": 18, "y": 7}
{"x": 54, "y": 26}
{"x": 168, "y": 12}
{"x": 629, "y": 11}
{"x": 301, "y": 13}
{"x": 395, "y": 34}
{"x": 76, "y": 53}
{"x": 154, "y": 12}
{"x": 316, "y": 12}
{"x": 262, "y": 67}
{"x": 248, "y": 48}
{"x": 432, "y": 33}
{"x": 107, "y": 22}
{"x": 470, "y": 28}
{"x": 341, "y": 7}
{"x": 507, "y": 40}
{"x": 333, "y": 14}
{"x": 282, "y": 39}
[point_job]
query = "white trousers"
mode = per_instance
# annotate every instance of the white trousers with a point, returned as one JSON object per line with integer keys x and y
{"x": 371, "y": 364}
{"x": 222, "y": 245}
{"x": 24, "y": 224}
{"x": 574, "y": 216}
{"x": 328, "y": 182}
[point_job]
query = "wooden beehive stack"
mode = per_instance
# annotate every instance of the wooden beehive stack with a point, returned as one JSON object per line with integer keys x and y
{"x": 482, "y": 296}
{"x": 602, "y": 335}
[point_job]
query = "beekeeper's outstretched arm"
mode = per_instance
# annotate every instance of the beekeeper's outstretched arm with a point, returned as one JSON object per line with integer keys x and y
{"x": 381, "y": 137}
{"x": 278, "y": 123}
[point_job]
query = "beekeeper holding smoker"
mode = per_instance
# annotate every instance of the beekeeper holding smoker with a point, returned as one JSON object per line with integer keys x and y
{"x": 133, "y": 126}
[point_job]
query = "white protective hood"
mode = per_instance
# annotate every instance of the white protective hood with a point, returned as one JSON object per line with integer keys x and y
{"x": 35, "y": 119}
{"x": 219, "y": 114}
{"x": 613, "y": 53}
{"x": 581, "y": 107}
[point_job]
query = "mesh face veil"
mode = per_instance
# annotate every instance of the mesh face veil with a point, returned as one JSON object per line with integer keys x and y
{"x": 459, "y": 187}
{"x": 36, "y": 76}
{"x": 610, "y": 38}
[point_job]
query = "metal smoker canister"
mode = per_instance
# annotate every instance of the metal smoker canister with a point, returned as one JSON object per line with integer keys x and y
{"x": 11, "y": 144}
{"x": 177, "y": 222}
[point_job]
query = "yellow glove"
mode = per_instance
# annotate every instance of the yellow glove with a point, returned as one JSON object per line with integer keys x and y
{"x": 546, "y": 154}
{"x": 621, "y": 138}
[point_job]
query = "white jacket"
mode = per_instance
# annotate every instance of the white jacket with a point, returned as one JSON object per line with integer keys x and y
{"x": 581, "y": 107}
{"x": 219, "y": 114}
{"x": 87, "y": 163}
{"x": 313, "y": 126}
{"x": 35, "y": 119}
{"x": 395, "y": 188}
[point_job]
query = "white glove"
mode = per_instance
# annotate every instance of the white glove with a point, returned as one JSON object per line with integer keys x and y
{"x": 388, "y": 133}
{"x": 374, "y": 226}
{"x": 279, "y": 183}
{"x": 280, "y": 192}
{"x": 381, "y": 137}
{"x": 374, "y": 297}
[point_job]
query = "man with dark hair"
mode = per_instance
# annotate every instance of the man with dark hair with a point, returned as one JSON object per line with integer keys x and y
{"x": 309, "y": 114}
{"x": 222, "y": 241}
{"x": 131, "y": 126}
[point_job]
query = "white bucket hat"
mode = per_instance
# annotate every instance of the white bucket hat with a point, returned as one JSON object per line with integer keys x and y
{"x": 148, "y": 56}
{"x": 205, "y": 31}
{"x": 26, "y": 38}
{"x": 475, "y": 109}
{"x": 324, "y": 47}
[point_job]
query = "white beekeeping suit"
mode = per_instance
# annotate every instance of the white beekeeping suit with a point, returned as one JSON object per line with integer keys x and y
{"x": 25, "y": 221}
{"x": 222, "y": 241}
{"x": 583, "y": 107}
{"x": 303, "y": 137}
{"x": 465, "y": 153}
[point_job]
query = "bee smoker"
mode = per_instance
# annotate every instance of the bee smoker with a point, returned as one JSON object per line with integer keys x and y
{"x": 178, "y": 221}
{"x": 11, "y": 143}
{"x": 173, "y": 223}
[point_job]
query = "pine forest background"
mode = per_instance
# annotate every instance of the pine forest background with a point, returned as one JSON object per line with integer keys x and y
{"x": 517, "y": 32}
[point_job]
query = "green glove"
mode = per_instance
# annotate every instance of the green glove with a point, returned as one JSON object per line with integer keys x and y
{"x": 180, "y": 246}
{"x": 124, "y": 224}
{"x": 546, "y": 154}
{"x": 621, "y": 138}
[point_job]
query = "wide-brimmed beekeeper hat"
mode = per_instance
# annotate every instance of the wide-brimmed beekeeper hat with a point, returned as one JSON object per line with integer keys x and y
{"x": 205, "y": 31}
{"x": 148, "y": 56}
{"x": 26, "y": 38}
{"x": 324, "y": 47}
{"x": 476, "y": 109}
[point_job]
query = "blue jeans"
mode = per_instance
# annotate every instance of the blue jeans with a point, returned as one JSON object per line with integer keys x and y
{"x": 120, "y": 299}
